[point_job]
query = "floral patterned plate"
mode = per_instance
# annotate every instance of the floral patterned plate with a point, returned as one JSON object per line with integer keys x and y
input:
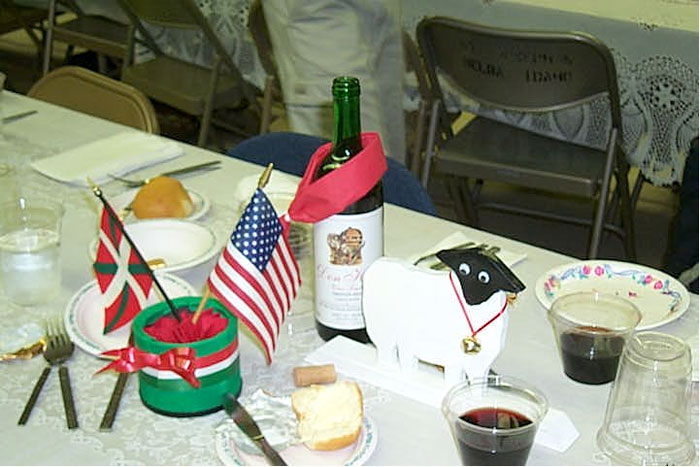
{"x": 659, "y": 297}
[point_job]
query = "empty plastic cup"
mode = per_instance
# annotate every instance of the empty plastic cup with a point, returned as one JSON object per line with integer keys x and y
{"x": 647, "y": 420}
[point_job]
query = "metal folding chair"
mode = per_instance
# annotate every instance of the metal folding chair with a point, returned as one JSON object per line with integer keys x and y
{"x": 524, "y": 71}
{"x": 188, "y": 87}
{"x": 92, "y": 93}
{"x": 96, "y": 33}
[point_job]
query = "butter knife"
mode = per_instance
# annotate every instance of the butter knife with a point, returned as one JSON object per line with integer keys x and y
{"x": 19, "y": 116}
{"x": 113, "y": 405}
{"x": 248, "y": 426}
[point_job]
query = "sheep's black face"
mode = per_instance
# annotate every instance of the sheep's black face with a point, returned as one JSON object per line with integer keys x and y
{"x": 480, "y": 275}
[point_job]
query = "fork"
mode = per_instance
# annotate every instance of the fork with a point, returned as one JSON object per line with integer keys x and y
{"x": 193, "y": 168}
{"x": 432, "y": 255}
{"x": 59, "y": 348}
{"x": 484, "y": 247}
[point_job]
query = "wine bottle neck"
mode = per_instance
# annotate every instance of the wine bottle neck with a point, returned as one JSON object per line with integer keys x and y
{"x": 346, "y": 134}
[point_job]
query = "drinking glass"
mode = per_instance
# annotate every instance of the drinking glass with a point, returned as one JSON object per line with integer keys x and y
{"x": 494, "y": 420}
{"x": 648, "y": 412}
{"x": 300, "y": 317}
{"x": 591, "y": 329}
{"x": 30, "y": 231}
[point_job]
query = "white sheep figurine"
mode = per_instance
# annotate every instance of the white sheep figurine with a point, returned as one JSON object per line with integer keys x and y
{"x": 456, "y": 319}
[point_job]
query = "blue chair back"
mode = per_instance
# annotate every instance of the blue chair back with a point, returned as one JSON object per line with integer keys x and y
{"x": 290, "y": 153}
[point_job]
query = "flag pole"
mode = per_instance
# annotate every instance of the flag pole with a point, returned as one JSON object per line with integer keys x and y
{"x": 262, "y": 181}
{"x": 98, "y": 192}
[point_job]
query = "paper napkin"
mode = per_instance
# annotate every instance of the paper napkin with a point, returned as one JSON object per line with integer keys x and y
{"x": 280, "y": 189}
{"x": 556, "y": 431}
{"x": 510, "y": 258}
{"x": 117, "y": 155}
{"x": 426, "y": 385}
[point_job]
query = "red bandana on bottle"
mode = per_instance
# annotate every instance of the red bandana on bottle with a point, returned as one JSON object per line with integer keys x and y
{"x": 316, "y": 200}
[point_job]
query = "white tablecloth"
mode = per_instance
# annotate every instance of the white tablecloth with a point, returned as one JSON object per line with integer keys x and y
{"x": 655, "y": 47}
{"x": 409, "y": 433}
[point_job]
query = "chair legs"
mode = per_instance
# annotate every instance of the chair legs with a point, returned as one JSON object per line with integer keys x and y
{"x": 627, "y": 207}
{"x": 463, "y": 199}
{"x": 48, "y": 38}
{"x": 266, "y": 115}
{"x": 601, "y": 203}
{"x": 418, "y": 138}
{"x": 209, "y": 104}
{"x": 430, "y": 144}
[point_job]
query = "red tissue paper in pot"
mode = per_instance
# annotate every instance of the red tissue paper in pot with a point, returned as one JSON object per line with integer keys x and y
{"x": 169, "y": 329}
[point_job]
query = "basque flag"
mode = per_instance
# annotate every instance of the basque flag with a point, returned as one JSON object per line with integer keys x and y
{"x": 124, "y": 280}
{"x": 257, "y": 276}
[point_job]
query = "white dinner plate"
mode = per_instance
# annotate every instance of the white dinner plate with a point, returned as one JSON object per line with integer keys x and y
{"x": 659, "y": 297}
{"x": 298, "y": 454}
{"x": 84, "y": 315}
{"x": 120, "y": 201}
{"x": 179, "y": 243}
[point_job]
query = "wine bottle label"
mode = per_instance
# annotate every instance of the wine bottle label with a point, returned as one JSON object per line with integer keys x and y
{"x": 345, "y": 245}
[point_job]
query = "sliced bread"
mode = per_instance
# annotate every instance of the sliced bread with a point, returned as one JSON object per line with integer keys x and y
{"x": 330, "y": 415}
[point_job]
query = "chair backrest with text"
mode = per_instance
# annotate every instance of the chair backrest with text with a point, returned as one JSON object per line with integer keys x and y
{"x": 95, "y": 94}
{"x": 533, "y": 71}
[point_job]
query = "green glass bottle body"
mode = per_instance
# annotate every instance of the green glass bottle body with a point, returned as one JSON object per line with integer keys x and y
{"x": 346, "y": 244}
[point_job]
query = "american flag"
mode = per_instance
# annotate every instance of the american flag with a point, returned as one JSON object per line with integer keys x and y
{"x": 257, "y": 276}
{"x": 124, "y": 280}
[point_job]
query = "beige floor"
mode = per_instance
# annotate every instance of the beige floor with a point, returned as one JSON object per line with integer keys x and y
{"x": 653, "y": 217}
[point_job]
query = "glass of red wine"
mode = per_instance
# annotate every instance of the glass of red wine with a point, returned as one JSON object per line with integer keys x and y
{"x": 494, "y": 419}
{"x": 591, "y": 329}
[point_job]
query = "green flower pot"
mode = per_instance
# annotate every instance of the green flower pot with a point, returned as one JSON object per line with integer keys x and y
{"x": 167, "y": 393}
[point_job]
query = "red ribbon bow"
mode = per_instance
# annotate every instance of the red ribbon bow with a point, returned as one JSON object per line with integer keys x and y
{"x": 180, "y": 360}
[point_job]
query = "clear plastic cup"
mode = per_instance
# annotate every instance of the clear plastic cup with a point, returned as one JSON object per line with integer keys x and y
{"x": 494, "y": 420}
{"x": 30, "y": 231}
{"x": 647, "y": 420}
{"x": 591, "y": 329}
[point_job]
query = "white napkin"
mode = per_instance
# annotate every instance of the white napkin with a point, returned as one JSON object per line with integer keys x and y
{"x": 117, "y": 155}
{"x": 556, "y": 431}
{"x": 280, "y": 189}
{"x": 358, "y": 361}
{"x": 509, "y": 258}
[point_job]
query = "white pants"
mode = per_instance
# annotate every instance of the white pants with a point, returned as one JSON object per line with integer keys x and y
{"x": 316, "y": 40}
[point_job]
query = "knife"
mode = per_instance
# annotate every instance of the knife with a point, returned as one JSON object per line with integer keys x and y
{"x": 192, "y": 168}
{"x": 248, "y": 426}
{"x": 19, "y": 116}
{"x": 113, "y": 405}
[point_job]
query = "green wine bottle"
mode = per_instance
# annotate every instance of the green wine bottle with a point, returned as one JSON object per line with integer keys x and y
{"x": 346, "y": 244}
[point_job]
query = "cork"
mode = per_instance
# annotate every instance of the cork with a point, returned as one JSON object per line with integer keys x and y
{"x": 307, "y": 375}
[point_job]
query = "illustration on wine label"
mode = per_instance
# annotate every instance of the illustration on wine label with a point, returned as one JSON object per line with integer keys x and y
{"x": 345, "y": 248}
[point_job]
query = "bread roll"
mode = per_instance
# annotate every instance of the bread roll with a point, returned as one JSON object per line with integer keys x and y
{"x": 162, "y": 197}
{"x": 330, "y": 416}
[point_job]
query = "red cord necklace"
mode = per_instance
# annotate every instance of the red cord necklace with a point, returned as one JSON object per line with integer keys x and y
{"x": 471, "y": 344}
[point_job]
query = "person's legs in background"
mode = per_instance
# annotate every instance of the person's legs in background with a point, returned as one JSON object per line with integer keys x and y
{"x": 315, "y": 41}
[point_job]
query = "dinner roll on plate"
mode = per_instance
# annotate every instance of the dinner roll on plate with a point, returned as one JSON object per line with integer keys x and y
{"x": 162, "y": 197}
{"x": 330, "y": 415}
